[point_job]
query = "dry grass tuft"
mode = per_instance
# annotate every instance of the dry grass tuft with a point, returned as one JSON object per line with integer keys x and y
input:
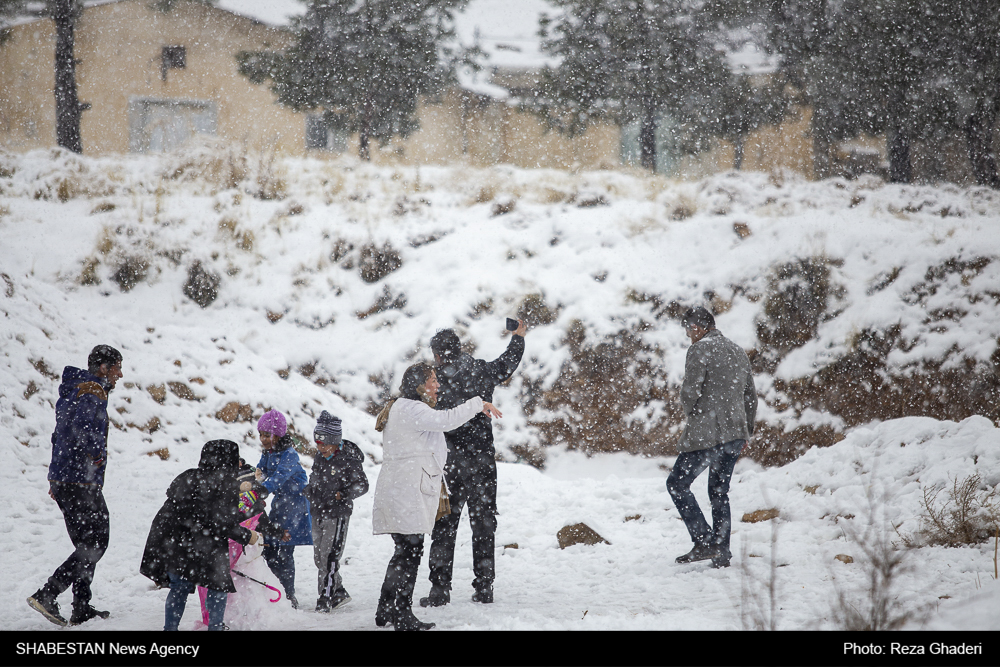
{"x": 969, "y": 514}
{"x": 535, "y": 312}
{"x": 877, "y": 606}
{"x": 682, "y": 209}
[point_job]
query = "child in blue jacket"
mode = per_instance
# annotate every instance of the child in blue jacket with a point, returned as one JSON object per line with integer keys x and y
{"x": 280, "y": 472}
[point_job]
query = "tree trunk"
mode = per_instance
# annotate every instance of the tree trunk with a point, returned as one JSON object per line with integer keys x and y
{"x": 900, "y": 169}
{"x": 647, "y": 136}
{"x": 363, "y": 151}
{"x": 67, "y": 102}
{"x": 365, "y": 132}
{"x": 819, "y": 128}
{"x": 738, "y": 146}
{"x": 979, "y": 140}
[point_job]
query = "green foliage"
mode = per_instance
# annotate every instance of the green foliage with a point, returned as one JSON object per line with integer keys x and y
{"x": 632, "y": 60}
{"x": 364, "y": 63}
{"x": 910, "y": 69}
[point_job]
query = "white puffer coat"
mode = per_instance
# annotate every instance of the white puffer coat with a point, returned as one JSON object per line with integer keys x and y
{"x": 414, "y": 453}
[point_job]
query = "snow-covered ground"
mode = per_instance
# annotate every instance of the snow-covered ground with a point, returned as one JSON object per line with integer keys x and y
{"x": 280, "y": 256}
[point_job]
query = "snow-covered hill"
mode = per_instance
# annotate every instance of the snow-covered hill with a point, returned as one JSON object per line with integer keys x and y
{"x": 333, "y": 276}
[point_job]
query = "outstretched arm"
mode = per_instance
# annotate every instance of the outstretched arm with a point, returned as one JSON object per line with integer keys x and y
{"x": 501, "y": 368}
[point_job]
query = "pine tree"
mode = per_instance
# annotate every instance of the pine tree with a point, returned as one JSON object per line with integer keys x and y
{"x": 910, "y": 69}
{"x": 364, "y": 63}
{"x": 631, "y": 60}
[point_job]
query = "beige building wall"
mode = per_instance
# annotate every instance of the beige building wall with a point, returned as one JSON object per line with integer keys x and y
{"x": 785, "y": 146}
{"x": 465, "y": 127}
{"x": 119, "y": 46}
{"x": 27, "y": 79}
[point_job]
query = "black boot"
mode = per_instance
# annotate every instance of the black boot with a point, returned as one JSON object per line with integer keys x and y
{"x": 438, "y": 597}
{"x": 45, "y": 604}
{"x": 83, "y": 613}
{"x": 323, "y": 604}
{"x": 383, "y": 614}
{"x": 405, "y": 620}
{"x": 483, "y": 595}
{"x": 700, "y": 552}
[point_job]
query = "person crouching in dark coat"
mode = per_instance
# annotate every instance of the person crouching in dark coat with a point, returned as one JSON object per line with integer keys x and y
{"x": 337, "y": 479}
{"x": 188, "y": 542}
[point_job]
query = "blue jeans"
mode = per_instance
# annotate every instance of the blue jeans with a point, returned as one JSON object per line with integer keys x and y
{"x": 180, "y": 589}
{"x": 720, "y": 461}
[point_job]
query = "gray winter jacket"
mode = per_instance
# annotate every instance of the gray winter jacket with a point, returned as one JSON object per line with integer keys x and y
{"x": 718, "y": 394}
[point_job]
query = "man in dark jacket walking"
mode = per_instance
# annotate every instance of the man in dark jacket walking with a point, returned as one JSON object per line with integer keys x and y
{"x": 337, "y": 478}
{"x": 720, "y": 404}
{"x": 471, "y": 470}
{"x": 76, "y": 481}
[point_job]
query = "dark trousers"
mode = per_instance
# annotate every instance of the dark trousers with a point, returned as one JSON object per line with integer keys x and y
{"x": 401, "y": 575}
{"x": 720, "y": 461}
{"x": 472, "y": 481}
{"x": 279, "y": 557}
{"x": 88, "y": 525}
{"x": 329, "y": 539}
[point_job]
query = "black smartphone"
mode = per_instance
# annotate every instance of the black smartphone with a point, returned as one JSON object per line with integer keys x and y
{"x": 512, "y": 324}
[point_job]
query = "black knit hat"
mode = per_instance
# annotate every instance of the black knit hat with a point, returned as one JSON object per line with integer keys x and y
{"x": 328, "y": 429}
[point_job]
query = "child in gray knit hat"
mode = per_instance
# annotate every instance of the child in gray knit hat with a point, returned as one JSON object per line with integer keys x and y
{"x": 337, "y": 478}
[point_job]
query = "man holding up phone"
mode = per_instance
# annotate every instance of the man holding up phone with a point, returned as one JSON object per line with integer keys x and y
{"x": 471, "y": 470}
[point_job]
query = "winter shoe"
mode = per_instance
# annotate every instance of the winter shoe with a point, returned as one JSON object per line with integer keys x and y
{"x": 384, "y": 612}
{"x": 47, "y": 607}
{"x": 721, "y": 558}
{"x": 483, "y": 595}
{"x": 293, "y": 601}
{"x": 700, "y": 552}
{"x": 438, "y": 597}
{"x": 406, "y": 621}
{"x": 323, "y": 605}
{"x": 85, "y": 613}
{"x": 339, "y": 600}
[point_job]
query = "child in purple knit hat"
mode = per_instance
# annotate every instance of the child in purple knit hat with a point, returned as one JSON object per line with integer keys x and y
{"x": 280, "y": 472}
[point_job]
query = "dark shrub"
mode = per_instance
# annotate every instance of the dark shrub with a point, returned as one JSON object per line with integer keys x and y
{"x": 131, "y": 272}
{"x": 376, "y": 263}
{"x": 202, "y": 286}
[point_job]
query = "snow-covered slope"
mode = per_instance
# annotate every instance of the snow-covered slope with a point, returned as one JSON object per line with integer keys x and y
{"x": 287, "y": 331}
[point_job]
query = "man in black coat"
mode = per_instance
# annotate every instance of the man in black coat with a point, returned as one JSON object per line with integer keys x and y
{"x": 188, "y": 542}
{"x": 471, "y": 470}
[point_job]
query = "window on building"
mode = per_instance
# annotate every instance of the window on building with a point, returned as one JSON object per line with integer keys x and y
{"x": 172, "y": 57}
{"x": 158, "y": 125}
{"x": 322, "y": 137}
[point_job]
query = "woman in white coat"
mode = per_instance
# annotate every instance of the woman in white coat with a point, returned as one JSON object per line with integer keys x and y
{"x": 411, "y": 483}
